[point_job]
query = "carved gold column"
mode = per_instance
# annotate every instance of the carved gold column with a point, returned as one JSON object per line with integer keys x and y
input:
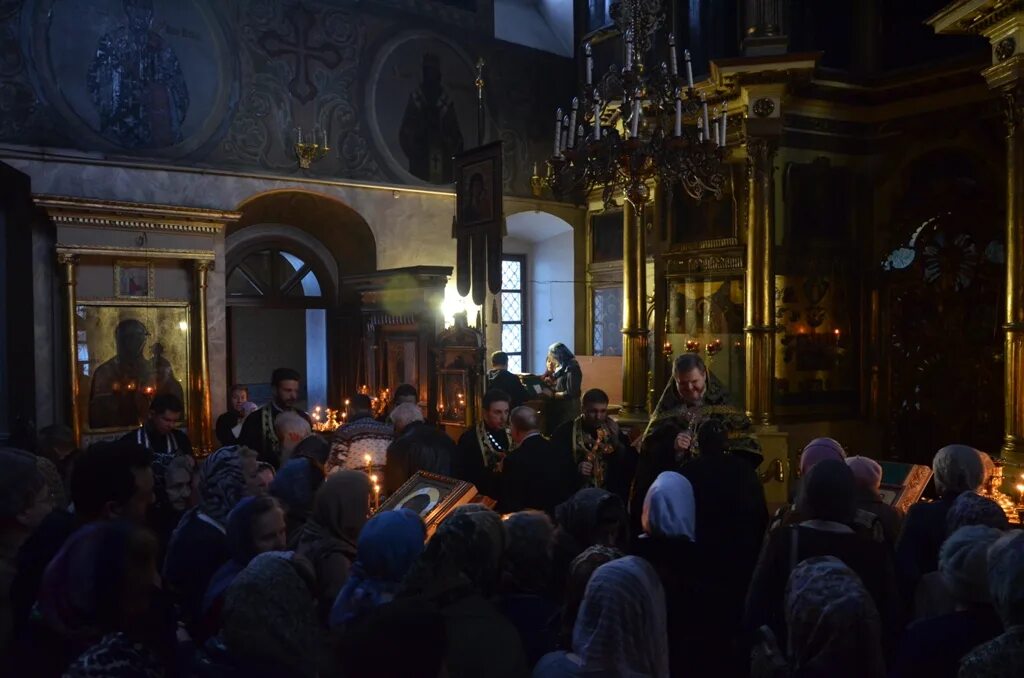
{"x": 201, "y": 384}
{"x": 69, "y": 262}
{"x": 635, "y": 362}
{"x": 1002, "y": 23}
{"x": 759, "y": 282}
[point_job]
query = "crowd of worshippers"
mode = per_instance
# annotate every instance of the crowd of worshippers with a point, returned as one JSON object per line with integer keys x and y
{"x": 132, "y": 558}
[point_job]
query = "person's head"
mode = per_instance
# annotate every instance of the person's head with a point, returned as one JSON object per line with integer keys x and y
{"x": 496, "y": 408}
{"x": 175, "y": 479}
{"x": 314, "y": 448}
{"x": 341, "y": 505}
{"x": 404, "y": 415}
{"x": 691, "y": 377}
{"x": 818, "y": 450}
{"x": 256, "y": 525}
{"x": 712, "y": 437}
{"x": 55, "y": 442}
{"x": 523, "y": 422}
{"x": 580, "y": 571}
{"x": 867, "y": 473}
{"x": 829, "y": 492}
{"x": 165, "y": 413}
{"x": 269, "y": 616}
{"x": 529, "y": 536}
{"x": 24, "y": 496}
{"x": 832, "y": 621}
{"x": 669, "y": 510}
{"x": 225, "y": 477}
{"x": 291, "y": 428}
{"x": 970, "y": 508}
{"x": 359, "y": 406}
{"x": 113, "y": 480}
{"x": 957, "y": 468}
{"x": 285, "y": 382}
{"x": 1006, "y": 577}
{"x": 499, "y": 360}
{"x": 406, "y": 393}
{"x": 594, "y": 516}
{"x": 622, "y": 625}
{"x": 130, "y": 338}
{"x": 239, "y": 395}
{"x": 264, "y": 476}
{"x": 139, "y": 13}
{"x": 963, "y": 563}
{"x": 595, "y": 407}
{"x": 560, "y": 353}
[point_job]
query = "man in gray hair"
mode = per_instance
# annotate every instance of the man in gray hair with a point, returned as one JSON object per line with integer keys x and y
{"x": 417, "y": 447}
{"x": 291, "y": 429}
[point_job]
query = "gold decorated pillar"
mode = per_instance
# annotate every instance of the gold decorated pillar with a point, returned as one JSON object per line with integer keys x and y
{"x": 635, "y": 361}
{"x": 69, "y": 263}
{"x": 1003, "y": 24}
{"x": 202, "y": 415}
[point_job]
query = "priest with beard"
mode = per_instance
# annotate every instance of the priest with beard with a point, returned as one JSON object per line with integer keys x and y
{"x": 695, "y": 396}
{"x": 482, "y": 449}
{"x": 596, "y": 453}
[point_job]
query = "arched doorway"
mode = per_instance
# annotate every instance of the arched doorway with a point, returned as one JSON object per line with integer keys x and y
{"x": 287, "y": 305}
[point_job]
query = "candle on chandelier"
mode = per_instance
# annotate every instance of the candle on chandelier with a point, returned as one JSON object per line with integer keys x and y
{"x": 629, "y": 49}
{"x": 700, "y": 132}
{"x": 674, "y": 67}
{"x": 717, "y": 134}
{"x": 597, "y": 119}
{"x": 725, "y": 121}
{"x": 572, "y": 119}
{"x": 634, "y": 122}
{"x": 579, "y": 133}
{"x": 558, "y": 131}
{"x": 689, "y": 69}
{"x": 590, "y": 63}
{"x": 324, "y": 130}
{"x": 678, "y": 131}
{"x": 704, "y": 117}
{"x": 565, "y": 132}
{"x": 300, "y": 135}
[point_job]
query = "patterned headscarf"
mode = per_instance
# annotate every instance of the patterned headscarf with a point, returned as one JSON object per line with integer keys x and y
{"x": 622, "y": 627}
{"x": 669, "y": 508}
{"x": 270, "y": 616}
{"x": 116, "y": 655}
{"x": 581, "y": 515}
{"x": 580, "y": 572}
{"x": 970, "y": 508}
{"x": 820, "y": 449}
{"x": 832, "y": 620}
{"x": 958, "y": 468}
{"x": 221, "y": 483}
{"x": 388, "y": 546}
{"x": 963, "y": 563}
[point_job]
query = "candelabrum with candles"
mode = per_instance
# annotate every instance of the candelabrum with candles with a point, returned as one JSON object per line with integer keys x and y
{"x": 378, "y": 403}
{"x": 637, "y": 125}
{"x": 311, "y": 147}
{"x": 325, "y": 420}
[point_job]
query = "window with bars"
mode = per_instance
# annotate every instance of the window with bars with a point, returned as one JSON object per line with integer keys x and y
{"x": 608, "y": 320}
{"x": 513, "y": 310}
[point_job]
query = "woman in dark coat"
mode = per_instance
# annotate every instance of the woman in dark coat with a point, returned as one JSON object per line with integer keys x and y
{"x": 566, "y": 382}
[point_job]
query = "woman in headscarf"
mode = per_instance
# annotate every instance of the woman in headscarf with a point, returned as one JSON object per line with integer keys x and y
{"x": 591, "y": 516}
{"x": 958, "y": 469}
{"x": 1004, "y": 654}
{"x": 458, "y": 571}
{"x": 256, "y": 525}
{"x": 329, "y": 538}
{"x": 296, "y": 484}
{"x": 868, "y": 474}
{"x": 173, "y": 480}
{"x": 828, "y": 503}
{"x": 566, "y": 386}
{"x": 621, "y": 628}
{"x": 198, "y": 546}
{"x": 934, "y": 646}
{"x": 98, "y": 598}
{"x": 525, "y": 598}
{"x": 388, "y": 545}
{"x": 667, "y": 543}
{"x": 833, "y": 624}
{"x": 580, "y": 571}
{"x": 270, "y": 625}
{"x": 816, "y": 451}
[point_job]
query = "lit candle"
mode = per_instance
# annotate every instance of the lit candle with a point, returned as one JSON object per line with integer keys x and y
{"x": 590, "y": 63}
{"x": 689, "y": 69}
{"x": 674, "y": 69}
{"x": 629, "y": 49}
{"x": 725, "y": 121}
{"x": 704, "y": 117}
{"x": 376, "y": 497}
{"x": 572, "y": 120}
{"x": 558, "y": 132}
{"x": 634, "y": 123}
{"x": 678, "y": 131}
{"x": 1020, "y": 489}
{"x": 369, "y": 466}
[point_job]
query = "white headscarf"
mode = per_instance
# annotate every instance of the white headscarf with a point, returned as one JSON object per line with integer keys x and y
{"x": 622, "y": 628}
{"x": 669, "y": 509}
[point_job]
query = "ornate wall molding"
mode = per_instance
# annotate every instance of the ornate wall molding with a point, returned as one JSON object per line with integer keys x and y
{"x": 134, "y": 216}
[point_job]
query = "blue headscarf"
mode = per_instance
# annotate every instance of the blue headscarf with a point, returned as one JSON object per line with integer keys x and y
{"x": 388, "y": 546}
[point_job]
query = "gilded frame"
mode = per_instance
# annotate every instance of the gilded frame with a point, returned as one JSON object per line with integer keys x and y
{"x": 450, "y": 494}
{"x": 459, "y": 415}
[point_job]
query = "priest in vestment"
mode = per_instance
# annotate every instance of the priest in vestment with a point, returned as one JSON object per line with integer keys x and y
{"x": 483, "y": 447}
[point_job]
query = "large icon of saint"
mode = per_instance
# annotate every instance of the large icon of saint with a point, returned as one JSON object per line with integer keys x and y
{"x": 430, "y": 133}
{"x": 136, "y": 83}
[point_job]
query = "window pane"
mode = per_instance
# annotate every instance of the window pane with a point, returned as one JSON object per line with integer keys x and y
{"x": 511, "y": 307}
{"x": 239, "y": 285}
{"x": 511, "y": 275}
{"x": 260, "y": 264}
{"x": 608, "y": 321}
{"x": 512, "y": 338}
{"x": 515, "y": 364}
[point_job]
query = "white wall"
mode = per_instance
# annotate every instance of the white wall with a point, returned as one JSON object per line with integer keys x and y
{"x": 552, "y": 312}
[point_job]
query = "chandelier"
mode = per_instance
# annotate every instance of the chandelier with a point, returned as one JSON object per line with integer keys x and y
{"x": 630, "y": 129}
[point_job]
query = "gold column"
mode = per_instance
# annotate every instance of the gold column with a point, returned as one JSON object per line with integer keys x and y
{"x": 201, "y": 383}
{"x": 759, "y": 283}
{"x": 69, "y": 261}
{"x": 634, "y": 314}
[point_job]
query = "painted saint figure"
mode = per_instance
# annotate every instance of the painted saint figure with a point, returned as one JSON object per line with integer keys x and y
{"x": 118, "y": 394}
{"x": 137, "y": 84}
{"x": 430, "y": 133}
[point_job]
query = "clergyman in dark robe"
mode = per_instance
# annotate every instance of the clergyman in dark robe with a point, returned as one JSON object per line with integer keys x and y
{"x": 136, "y": 83}
{"x": 430, "y": 133}
{"x": 117, "y": 396}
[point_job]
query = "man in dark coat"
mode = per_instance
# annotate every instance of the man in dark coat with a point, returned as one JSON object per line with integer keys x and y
{"x": 160, "y": 434}
{"x": 258, "y": 429}
{"x": 531, "y": 476}
{"x": 501, "y": 379}
{"x": 483, "y": 447}
{"x": 417, "y": 447}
